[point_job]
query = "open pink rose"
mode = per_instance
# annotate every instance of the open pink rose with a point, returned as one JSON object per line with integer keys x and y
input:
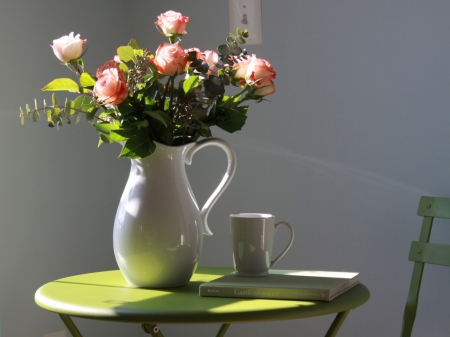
{"x": 170, "y": 23}
{"x": 241, "y": 70}
{"x": 110, "y": 87}
{"x": 170, "y": 59}
{"x": 68, "y": 47}
{"x": 259, "y": 72}
{"x": 254, "y": 71}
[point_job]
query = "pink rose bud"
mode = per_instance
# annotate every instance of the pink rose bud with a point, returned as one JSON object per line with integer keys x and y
{"x": 68, "y": 47}
{"x": 264, "y": 90}
{"x": 170, "y": 23}
{"x": 110, "y": 87}
{"x": 170, "y": 59}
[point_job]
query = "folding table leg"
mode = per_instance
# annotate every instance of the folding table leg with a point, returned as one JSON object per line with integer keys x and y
{"x": 223, "y": 329}
{"x": 152, "y": 329}
{"x": 336, "y": 325}
{"x": 70, "y": 325}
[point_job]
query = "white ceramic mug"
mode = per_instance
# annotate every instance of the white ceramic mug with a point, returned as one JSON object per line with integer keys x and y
{"x": 252, "y": 237}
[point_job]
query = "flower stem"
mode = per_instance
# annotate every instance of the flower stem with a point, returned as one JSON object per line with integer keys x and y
{"x": 164, "y": 95}
{"x": 232, "y": 98}
{"x": 172, "y": 83}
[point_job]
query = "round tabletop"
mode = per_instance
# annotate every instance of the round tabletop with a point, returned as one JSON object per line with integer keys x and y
{"x": 107, "y": 296}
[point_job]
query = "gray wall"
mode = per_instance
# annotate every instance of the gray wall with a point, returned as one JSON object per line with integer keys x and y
{"x": 356, "y": 133}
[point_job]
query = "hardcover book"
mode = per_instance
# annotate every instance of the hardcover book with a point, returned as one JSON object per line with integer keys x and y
{"x": 283, "y": 284}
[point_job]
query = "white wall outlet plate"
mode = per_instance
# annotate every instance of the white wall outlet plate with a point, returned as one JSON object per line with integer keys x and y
{"x": 246, "y": 14}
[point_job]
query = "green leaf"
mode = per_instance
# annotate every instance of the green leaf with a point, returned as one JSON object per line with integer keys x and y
{"x": 83, "y": 103}
{"x": 134, "y": 44}
{"x": 125, "y": 108}
{"x": 213, "y": 87}
{"x": 90, "y": 115}
{"x": 149, "y": 103}
{"x": 123, "y": 67}
{"x": 240, "y": 40}
{"x": 223, "y": 49}
{"x": 105, "y": 131}
{"x": 160, "y": 116}
{"x": 80, "y": 62}
{"x": 59, "y": 84}
{"x": 115, "y": 137}
{"x": 204, "y": 130}
{"x": 77, "y": 117}
{"x": 140, "y": 124}
{"x": 22, "y": 116}
{"x": 190, "y": 83}
{"x": 105, "y": 128}
{"x": 86, "y": 80}
{"x": 234, "y": 49}
{"x": 126, "y": 53}
{"x": 139, "y": 146}
{"x": 235, "y": 119}
{"x": 35, "y": 116}
{"x": 103, "y": 139}
{"x": 125, "y": 133}
{"x": 49, "y": 115}
{"x": 70, "y": 105}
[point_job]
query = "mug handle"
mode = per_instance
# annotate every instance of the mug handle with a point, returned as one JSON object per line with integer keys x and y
{"x": 283, "y": 223}
{"x": 231, "y": 169}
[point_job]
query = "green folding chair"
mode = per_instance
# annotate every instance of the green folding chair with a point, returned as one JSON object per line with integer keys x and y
{"x": 422, "y": 252}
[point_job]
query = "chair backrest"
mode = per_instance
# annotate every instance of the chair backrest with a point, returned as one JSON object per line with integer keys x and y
{"x": 422, "y": 252}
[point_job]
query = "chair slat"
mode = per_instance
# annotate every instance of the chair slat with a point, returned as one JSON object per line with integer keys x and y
{"x": 434, "y": 207}
{"x": 430, "y": 253}
{"x": 424, "y": 252}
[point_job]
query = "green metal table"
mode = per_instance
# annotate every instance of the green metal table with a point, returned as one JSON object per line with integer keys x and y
{"x": 107, "y": 296}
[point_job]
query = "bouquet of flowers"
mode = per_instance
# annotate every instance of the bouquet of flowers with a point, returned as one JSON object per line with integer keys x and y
{"x": 135, "y": 98}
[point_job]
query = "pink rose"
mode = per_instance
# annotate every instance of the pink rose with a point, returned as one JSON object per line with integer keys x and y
{"x": 259, "y": 72}
{"x": 241, "y": 70}
{"x": 264, "y": 90}
{"x": 209, "y": 57}
{"x": 170, "y": 59}
{"x": 198, "y": 54}
{"x": 212, "y": 59}
{"x": 253, "y": 71}
{"x": 68, "y": 47}
{"x": 110, "y": 87}
{"x": 170, "y": 23}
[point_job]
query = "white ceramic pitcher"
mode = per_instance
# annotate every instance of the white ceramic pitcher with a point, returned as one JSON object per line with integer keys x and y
{"x": 158, "y": 229}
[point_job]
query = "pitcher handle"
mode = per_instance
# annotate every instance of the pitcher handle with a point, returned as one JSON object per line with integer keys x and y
{"x": 231, "y": 169}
